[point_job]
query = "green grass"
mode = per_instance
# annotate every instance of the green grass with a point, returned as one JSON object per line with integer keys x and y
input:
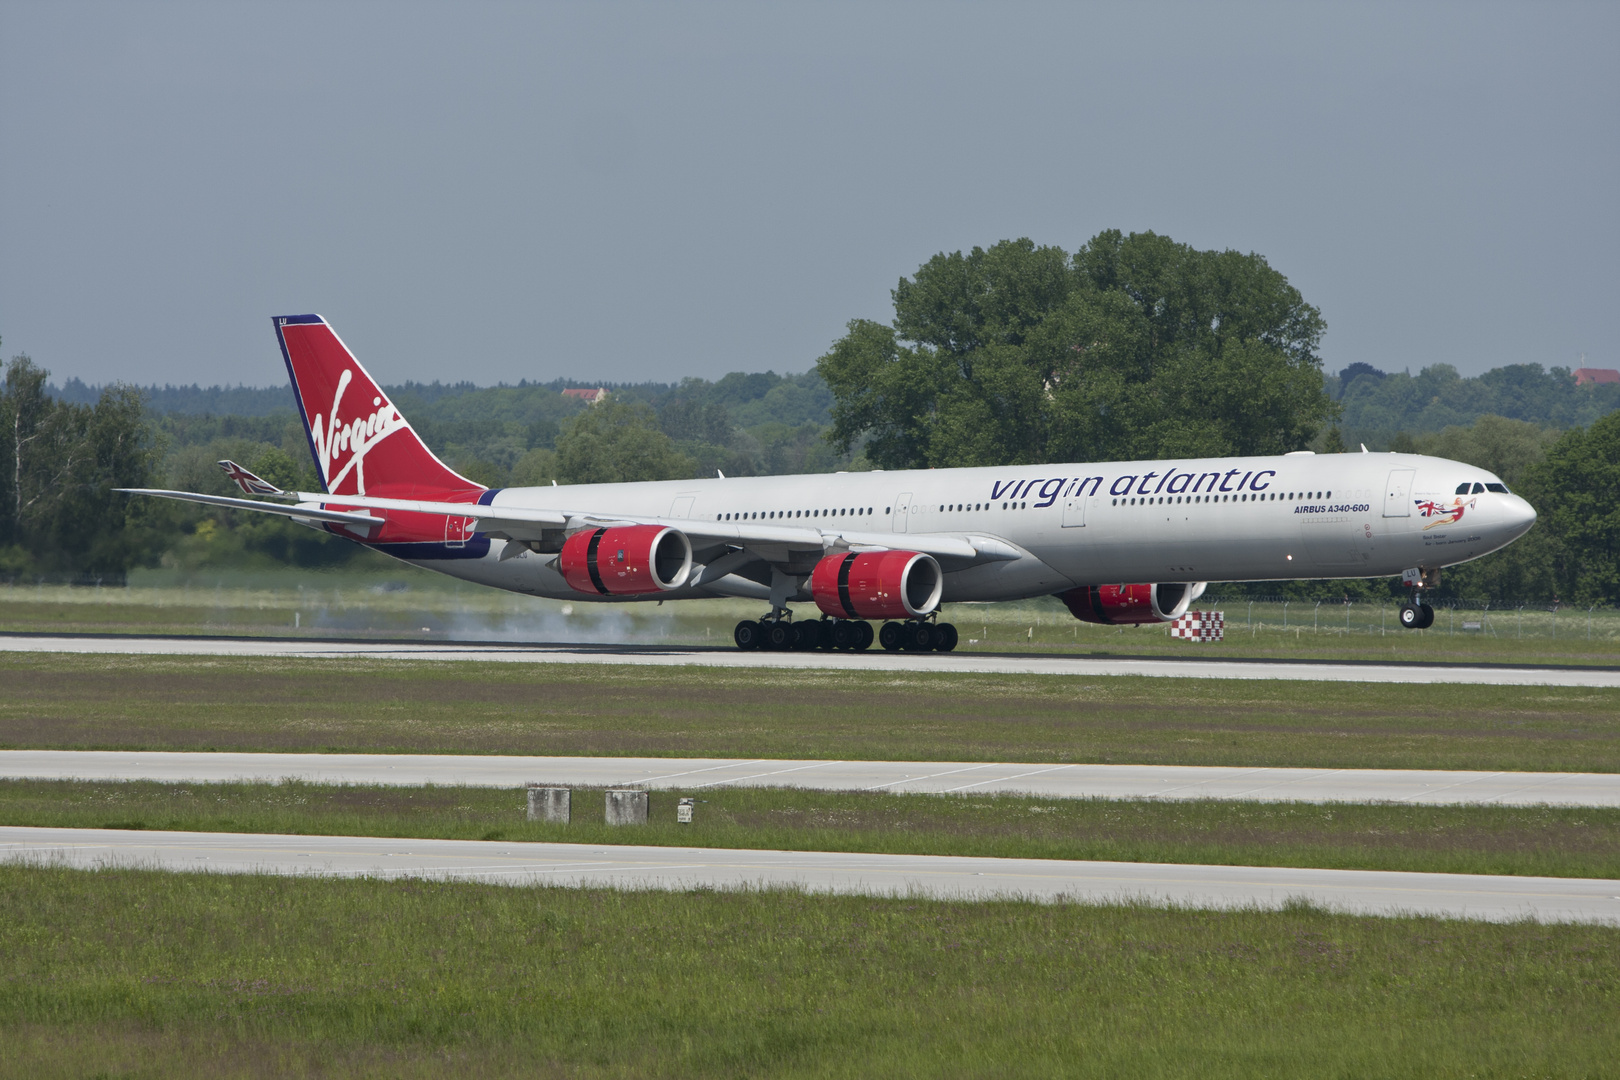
{"x": 1551, "y": 841}
{"x": 133, "y": 973}
{"x": 400, "y": 601}
{"x": 215, "y": 703}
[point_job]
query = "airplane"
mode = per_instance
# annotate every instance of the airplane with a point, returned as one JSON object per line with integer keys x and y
{"x": 1121, "y": 543}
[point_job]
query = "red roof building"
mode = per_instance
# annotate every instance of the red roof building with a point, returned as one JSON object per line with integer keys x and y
{"x": 1588, "y": 376}
{"x": 590, "y": 397}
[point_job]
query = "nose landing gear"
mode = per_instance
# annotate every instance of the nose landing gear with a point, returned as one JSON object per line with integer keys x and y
{"x": 1417, "y": 616}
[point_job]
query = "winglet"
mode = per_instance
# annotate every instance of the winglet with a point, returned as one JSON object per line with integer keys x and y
{"x": 250, "y": 484}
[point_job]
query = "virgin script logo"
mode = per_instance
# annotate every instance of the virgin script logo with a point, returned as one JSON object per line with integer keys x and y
{"x": 333, "y": 438}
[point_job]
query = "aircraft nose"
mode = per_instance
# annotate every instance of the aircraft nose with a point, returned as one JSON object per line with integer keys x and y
{"x": 1518, "y": 515}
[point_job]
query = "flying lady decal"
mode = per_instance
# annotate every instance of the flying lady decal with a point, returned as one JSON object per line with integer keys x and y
{"x": 1445, "y": 515}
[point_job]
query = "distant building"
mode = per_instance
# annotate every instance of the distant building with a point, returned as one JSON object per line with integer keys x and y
{"x": 590, "y": 397}
{"x": 1588, "y": 376}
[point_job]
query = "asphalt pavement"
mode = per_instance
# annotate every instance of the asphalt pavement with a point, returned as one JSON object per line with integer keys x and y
{"x": 1191, "y": 667}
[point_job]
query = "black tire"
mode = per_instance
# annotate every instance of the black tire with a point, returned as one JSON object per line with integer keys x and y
{"x": 1411, "y": 617}
{"x": 918, "y": 637}
{"x": 824, "y": 634}
{"x": 890, "y": 636}
{"x": 798, "y": 636}
{"x": 747, "y": 635}
{"x": 845, "y": 635}
{"x": 1428, "y": 616}
{"x": 945, "y": 637}
{"x": 864, "y": 642}
{"x": 778, "y": 635}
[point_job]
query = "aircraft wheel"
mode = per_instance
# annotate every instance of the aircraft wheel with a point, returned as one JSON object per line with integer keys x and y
{"x": 918, "y": 637}
{"x": 799, "y": 637}
{"x": 889, "y": 636}
{"x": 945, "y": 637}
{"x": 825, "y": 631}
{"x": 778, "y": 634}
{"x": 747, "y": 635}
{"x": 1428, "y": 617}
{"x": 844, "y": 635}
{"x": 864, "y": 642}
{"x": 1411, "y": 617}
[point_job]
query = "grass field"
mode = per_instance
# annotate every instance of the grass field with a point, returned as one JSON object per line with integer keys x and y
{"x": 1551, "y": 841}
{"x": 204, "y": 703}
{"x": 130, "y": 973}
{"x": 405, "y": 602}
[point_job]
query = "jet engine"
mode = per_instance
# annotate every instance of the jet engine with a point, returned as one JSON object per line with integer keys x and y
{"x": 877, "y": 584}
{"x": 627, "y": 560}
{"x": 1132, "y": 604}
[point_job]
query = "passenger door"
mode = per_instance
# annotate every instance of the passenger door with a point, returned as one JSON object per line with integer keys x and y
{"x": 1398, "y": 493}
{"x": 902, "y": 512}
{"x": 1074, "y": 509}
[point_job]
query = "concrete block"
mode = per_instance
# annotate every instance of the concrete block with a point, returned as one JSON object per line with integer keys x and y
{"x": 627, "y": 808}
{"x": 549, "y": 804}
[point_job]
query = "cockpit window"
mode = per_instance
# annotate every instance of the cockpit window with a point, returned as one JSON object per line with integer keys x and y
{"x": 1479, "y": 489}
{"x": 1462, "y": 489}
{"x": 1500, "y": 489}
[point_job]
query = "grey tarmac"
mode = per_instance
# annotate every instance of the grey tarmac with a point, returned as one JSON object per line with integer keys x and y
{"x": 1066, "y": 781}
{"x": 1497, "y": 898}
{"x": 875, "y": 660}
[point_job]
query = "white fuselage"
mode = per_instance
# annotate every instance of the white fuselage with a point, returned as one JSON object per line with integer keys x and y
{"x": 1219, "y": 519}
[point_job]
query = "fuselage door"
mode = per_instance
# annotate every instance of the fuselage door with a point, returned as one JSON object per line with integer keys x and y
{"x": 682, "y": 507}
{"x": 902, "y": 512}
{"x": 1074, "y": 508}
{"x": 1398, "y": 493}
{"x": 457, "y": 530}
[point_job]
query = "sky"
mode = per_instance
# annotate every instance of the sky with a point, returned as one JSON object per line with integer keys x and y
{"x": 631, "y": 192}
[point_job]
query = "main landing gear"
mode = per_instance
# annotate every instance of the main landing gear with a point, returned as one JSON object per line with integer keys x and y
{"x": 1417, "y": 616}
{"x": 779, "y": 633}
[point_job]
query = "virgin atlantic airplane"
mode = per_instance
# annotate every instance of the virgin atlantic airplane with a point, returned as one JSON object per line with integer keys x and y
{"x": 1118, "y": 542}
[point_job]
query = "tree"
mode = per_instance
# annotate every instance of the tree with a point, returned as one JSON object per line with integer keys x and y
{"x": 59, "y": 462}
{"x": 1135, "y": 346}
{"x": 613, "y": 442}
{"x": 1577, "y": 494}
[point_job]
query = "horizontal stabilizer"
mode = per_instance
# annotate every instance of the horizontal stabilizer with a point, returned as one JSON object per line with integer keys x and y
{"x": 312, "y": 513}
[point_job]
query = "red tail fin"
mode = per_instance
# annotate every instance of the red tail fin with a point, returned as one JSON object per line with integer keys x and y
{"x": 362, "y": 445}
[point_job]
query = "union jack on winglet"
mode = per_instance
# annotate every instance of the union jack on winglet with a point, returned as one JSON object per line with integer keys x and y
{"x": 249, "y": 483}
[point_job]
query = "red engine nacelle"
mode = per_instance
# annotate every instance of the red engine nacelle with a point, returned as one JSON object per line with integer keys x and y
{"x": 627, "y": 560}
{"x": 877, "y": 584}
{"x": 1131, "y": 604}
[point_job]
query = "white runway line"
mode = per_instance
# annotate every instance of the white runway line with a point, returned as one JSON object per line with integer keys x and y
{"x": 1496, "y": 898}
{"x": 1054, "y": 781}
{"x": 868, "y": 661}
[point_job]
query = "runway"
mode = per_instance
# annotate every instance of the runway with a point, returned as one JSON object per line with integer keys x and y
{"x": 683, "y": 656}
{"x": 1075, "y": 781}
{"x": 1496, "y": 898}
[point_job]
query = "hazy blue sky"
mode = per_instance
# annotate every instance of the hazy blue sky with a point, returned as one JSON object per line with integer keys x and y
{"x": 627, "y": 191}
